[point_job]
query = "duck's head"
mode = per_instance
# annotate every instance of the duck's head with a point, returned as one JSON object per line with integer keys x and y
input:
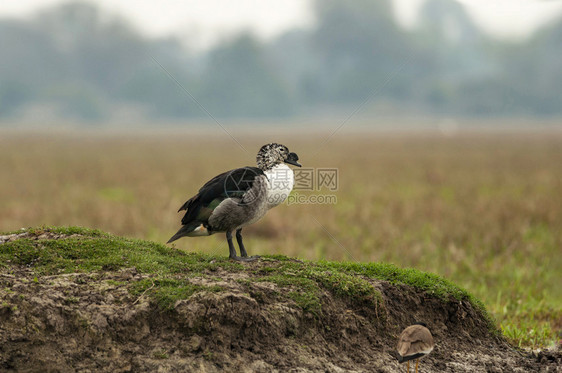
{"x": 273, "y": 154}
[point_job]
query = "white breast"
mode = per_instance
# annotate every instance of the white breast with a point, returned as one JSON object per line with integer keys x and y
{"x": 280, "y": 183}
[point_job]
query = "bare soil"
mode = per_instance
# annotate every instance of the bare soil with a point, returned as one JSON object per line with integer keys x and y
{"x": 89, "y": 322}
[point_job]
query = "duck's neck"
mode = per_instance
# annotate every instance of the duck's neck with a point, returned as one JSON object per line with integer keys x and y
{"x": 280, "y": 183}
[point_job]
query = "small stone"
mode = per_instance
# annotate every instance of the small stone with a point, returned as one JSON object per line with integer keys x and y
{"x": 194, "y": 343}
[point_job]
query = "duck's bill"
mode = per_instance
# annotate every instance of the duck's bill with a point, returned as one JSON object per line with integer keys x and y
{"x": 294, "y": 163}
{"x": 293, "y": 159}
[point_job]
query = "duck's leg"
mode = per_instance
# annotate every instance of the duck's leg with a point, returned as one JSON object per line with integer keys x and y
{"x": 243, "y": 252}
{"x": 417, "y": 361}
{"x": 408, "y": 366}
{"x": 232, "y": 250}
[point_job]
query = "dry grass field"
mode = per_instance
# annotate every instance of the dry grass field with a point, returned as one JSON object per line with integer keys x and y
{"x": 482, "y": 210}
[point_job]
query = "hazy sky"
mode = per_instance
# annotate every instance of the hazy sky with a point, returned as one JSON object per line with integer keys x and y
{"x": 205, "y": 21}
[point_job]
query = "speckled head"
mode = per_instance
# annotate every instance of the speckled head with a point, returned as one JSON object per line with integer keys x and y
{"x": 273, "y": 154}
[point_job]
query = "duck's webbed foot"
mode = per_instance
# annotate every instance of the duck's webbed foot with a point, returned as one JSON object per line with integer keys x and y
{"x": 245, "y": 258}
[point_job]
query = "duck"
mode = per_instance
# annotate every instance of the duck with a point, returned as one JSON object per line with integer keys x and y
{"x": 414, "y": 342}
{"x": 239, "y": 197}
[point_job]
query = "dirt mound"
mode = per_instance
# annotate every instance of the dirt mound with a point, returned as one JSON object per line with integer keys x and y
{"x": 255, "y": 317}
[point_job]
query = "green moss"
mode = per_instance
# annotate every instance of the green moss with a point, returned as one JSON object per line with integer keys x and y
{"x": 93, "y": 250}
{"x": 306, "y": 281}
{"x": 166, "y": 291}
{"x": 341, "y": 279}
{"x": 308, "y": 301}
{"x": 303, "y": 291}
{"x": 276, "y": 258}
{"x": 428, "y": 282}
{"x": 59, "y": 230}
{"x": 346, "y": 285}
{"x": 170, "y": 269}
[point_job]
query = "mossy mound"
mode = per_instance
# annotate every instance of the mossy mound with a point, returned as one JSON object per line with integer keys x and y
{"x": 75, "y": 298}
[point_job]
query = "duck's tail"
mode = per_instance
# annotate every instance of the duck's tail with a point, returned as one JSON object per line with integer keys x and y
{"x": 192, "y": 229}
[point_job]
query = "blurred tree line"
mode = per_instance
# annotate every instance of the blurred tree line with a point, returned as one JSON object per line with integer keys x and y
{"x": 74, "y": 61}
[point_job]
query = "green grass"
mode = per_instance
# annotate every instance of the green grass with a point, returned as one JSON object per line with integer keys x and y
{"x": 170, "y": 270}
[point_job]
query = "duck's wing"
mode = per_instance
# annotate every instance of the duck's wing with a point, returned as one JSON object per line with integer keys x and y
{"x": 231, "y": 184}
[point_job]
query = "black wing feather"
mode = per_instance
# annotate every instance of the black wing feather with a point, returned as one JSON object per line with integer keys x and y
{"x": 233, "y": 183}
